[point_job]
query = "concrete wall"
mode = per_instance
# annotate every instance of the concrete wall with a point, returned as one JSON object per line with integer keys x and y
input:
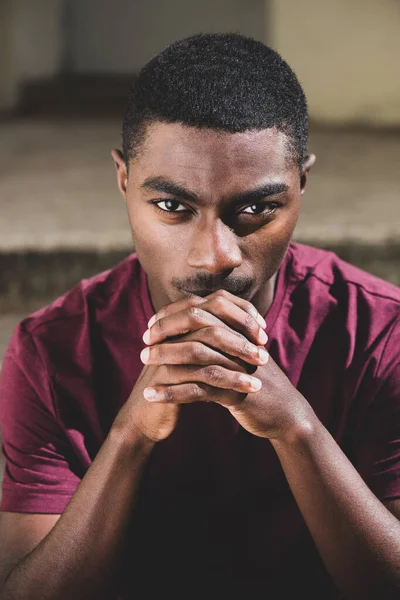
{"x": 347, "y": 55}
{"x": 120, "y": 36}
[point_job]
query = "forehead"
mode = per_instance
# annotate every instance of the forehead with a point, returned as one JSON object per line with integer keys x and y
{"x": 207, "y": 158}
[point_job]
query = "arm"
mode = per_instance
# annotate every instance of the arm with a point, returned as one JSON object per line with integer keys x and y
{"x": 75, "y": 555}
{"x": 78, "y": 558}
{"x": 357, "y": 537}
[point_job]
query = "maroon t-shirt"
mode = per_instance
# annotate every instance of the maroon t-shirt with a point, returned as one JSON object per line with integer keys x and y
{"x": 214, "y": 506}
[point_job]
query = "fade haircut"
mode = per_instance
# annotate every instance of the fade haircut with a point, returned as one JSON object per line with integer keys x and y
{"x": 223, "y": 81}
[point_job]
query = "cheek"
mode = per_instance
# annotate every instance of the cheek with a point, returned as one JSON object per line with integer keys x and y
{"x": 157, "y": 244}
{"x": 268, "y": 247}
{"x": 144, "y": 226}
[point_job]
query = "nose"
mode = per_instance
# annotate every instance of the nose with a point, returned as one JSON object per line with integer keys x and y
{"x": 214, "y": 248}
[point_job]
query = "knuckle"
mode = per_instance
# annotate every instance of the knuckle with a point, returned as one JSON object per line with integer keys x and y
{"x": 196, "y": 313}
{"x": 222, "y": 293}
{"x": 237, "y": 380}
{"x": 249, "y": 321}
{"x": 195, "y": 391}
{"x": 192, "y": 301}
{"x": 169, "y": 393}
{"x": 198, "y": 351}
{"x": 218, "y": 334}
{"x": 213, "y": 373}
{"x": 219, "y": 301}
{"x": 250, "y": 308}
{"x": 247, "y": 305}
{"x": 246, "y": 348}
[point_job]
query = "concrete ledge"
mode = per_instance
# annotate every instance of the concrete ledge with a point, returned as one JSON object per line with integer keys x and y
{"x": 34, "y": 278}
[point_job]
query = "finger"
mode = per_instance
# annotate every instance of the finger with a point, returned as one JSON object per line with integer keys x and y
{"x": 195, "y": 352}
{"x": 186, "y": 393}
{"x": 218, "y": 311}
{"x": 245, "y": 305}
{"x": 236, "y": 317}
{"x": 176, "y": 307}
{"x": 180, "y": 323}
{"x": 213, "y": 375}
{"x": 196, "y": 300}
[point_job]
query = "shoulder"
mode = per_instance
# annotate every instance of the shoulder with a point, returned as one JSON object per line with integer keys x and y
{"x": 349, "y": 285}
{"x": 68, "y": 319}
{"x": 353, "y": 309}
{"x": 330, "y": 269}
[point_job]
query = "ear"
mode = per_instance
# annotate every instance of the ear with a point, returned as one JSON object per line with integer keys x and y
{"x": 120, "y": 166}
{"x": 308, "y": 163}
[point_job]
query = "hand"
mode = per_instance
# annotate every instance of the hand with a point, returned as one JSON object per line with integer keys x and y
{"x": 192, "y": 363}
{"x": 174, "y": 335}
{"x": 275, "y": 412}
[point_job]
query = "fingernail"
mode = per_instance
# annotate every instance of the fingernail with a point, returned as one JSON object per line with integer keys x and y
{"x": 152, "y": 321}
{"x": 262, "y": 336}
{"x": 146, "y": 337}
{"x": 145, "y": 355}
{"x": 261, "y": 321}
{"x": 254, "y": 383}
{"x": 150, "y": 394}
{"x": 263, "y": 354}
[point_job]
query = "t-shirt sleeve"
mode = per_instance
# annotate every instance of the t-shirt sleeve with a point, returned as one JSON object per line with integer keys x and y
{"x": 378, "y": 452}
{"x": 37, "y": 477}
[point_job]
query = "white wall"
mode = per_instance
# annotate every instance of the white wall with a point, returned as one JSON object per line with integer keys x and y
{"x": 121, "y": 35}
{"x": 347, "y": 55}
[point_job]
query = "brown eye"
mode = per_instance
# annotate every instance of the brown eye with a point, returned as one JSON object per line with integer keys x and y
{"x": 265, "y": 208}
{"x": 170, "y": 206}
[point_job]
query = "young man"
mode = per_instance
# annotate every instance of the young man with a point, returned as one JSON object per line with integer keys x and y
{"x": 158, "y": 436}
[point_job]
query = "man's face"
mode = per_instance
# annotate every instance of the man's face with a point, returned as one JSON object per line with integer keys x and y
{"x": 210, "y": 209}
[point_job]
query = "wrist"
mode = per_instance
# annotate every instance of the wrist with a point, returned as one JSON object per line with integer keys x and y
{"x": 300, "y": 432}
{"x": 131, "y": 437}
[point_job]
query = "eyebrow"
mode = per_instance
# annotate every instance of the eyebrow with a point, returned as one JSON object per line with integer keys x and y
{"x": 166, "y": 186}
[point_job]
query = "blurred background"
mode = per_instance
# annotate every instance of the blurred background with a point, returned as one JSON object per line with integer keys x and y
{"x": 65, "y": 70}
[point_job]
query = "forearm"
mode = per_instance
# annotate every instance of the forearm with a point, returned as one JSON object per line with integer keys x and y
{"x": 78, "y": 558}
{"x": 357, "y": 537}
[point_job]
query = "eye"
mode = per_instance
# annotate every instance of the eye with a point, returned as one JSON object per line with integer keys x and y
{"x": 170, "y": 206}
{"x": 261, "y": 208}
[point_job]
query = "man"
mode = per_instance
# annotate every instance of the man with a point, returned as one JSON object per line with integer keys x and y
{"x": 159, "y": 436}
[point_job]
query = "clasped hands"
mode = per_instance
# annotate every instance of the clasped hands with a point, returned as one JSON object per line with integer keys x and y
{"x": 212, "y": 350}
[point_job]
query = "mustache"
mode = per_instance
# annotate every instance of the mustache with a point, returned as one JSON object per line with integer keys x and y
{"x": 211, "y": 283}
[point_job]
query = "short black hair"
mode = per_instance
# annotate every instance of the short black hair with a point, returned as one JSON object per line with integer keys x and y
{"x": 223, "y": 81}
